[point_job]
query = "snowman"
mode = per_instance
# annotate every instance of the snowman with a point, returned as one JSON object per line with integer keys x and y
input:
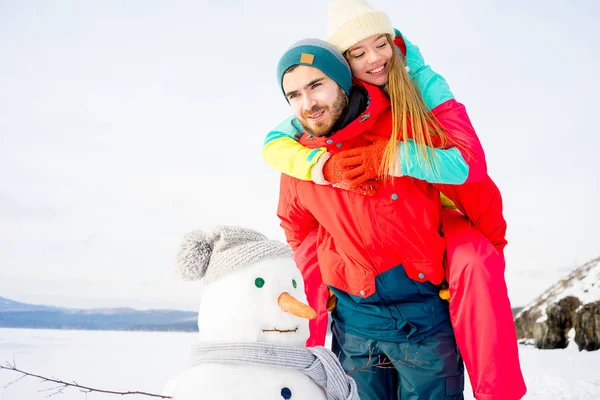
{"x": 253, "y": 324}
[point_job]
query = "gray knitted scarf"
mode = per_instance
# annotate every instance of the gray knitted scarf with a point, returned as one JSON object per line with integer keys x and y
{"x": 318, "y": 363}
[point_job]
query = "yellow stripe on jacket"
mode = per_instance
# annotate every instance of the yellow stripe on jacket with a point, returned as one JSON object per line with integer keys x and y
{"x": 284, "y": 154}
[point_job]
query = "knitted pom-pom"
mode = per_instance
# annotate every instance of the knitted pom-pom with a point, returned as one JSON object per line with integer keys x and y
{"x": 209, "y": 256}
{"x": 194, "y": 255}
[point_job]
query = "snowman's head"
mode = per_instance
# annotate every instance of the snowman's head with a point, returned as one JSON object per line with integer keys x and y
{"x": 263, "y": 302}
{"x": 253, "y": 290}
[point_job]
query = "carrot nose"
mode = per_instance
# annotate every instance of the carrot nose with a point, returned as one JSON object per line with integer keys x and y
{"x": 289, "y": 303}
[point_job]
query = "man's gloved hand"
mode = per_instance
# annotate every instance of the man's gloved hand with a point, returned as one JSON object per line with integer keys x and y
{"x": 334, "y": 174}
{"x": 362, "y": 163}
{"x": 357, "y": 170}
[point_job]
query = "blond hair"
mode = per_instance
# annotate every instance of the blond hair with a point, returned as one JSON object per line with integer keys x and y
{"x": 411, "y": 118}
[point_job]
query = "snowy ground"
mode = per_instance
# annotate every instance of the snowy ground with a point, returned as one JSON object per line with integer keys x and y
{"x": 144, "y": 361}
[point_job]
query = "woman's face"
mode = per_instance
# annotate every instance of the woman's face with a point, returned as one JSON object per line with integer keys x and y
{"x": 370, "y": 59}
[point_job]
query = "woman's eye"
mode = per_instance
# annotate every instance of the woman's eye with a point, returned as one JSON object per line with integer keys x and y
{"x": 358, "y": 55}
{"x": 382, "y": 45}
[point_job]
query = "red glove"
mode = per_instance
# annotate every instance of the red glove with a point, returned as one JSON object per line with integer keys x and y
{"x": 357, "y": 170}
{"x": 362, "y": 163}
{"x": 333, "y": 172}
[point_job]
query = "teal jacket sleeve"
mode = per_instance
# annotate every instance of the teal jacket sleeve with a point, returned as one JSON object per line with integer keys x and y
{"x": 448, "y": 166}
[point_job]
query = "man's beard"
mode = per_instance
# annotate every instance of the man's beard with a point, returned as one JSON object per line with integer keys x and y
{"x": 323, "y": 128}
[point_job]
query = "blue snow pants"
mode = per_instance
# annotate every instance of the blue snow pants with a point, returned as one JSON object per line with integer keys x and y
{"x": 430, "y": 369}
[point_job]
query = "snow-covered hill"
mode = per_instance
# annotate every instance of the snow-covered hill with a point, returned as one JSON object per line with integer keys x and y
{"x": 550, "y": 316}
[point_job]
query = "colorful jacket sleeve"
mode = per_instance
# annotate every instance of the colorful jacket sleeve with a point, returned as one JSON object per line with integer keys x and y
{"x": 284, "y": 154}
{"x": 457, "y": 165}
{"x": 466, "y": 155}
{"x": 450, "y": 167}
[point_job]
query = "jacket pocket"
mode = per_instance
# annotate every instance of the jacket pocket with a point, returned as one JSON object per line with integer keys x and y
{"x": 342, "y": 271}
{"x": 389, "y": 204}
{"x": 331, "y": 264}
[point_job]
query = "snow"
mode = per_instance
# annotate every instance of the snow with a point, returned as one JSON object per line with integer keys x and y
{"x": 542, "y": 318}
{"x": 586, "y": 289}
{"x": 145, "y": 360}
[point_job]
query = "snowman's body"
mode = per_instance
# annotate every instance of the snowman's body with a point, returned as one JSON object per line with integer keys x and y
{"x": 243, "y": 307}
{"x": 243, "y": 382}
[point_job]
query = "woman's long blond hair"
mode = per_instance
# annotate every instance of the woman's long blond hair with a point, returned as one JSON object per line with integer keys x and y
{"x": 410, "y": 119}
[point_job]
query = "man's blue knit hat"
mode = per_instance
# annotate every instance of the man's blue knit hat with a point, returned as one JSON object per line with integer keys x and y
{"x": 321, "y": 55}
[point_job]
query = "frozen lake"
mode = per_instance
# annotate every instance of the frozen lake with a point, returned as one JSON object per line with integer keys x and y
{"x": 143, "y": 361}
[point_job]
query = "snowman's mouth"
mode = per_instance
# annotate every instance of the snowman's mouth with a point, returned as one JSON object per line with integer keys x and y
{"x": 281, "y": 330}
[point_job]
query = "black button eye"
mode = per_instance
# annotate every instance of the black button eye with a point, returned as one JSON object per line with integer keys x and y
{"x": 286, "y": 393}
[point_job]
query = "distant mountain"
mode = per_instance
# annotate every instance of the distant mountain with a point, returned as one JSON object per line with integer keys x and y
{"x": 7, "y": 305}
{"x": 14, "y": 314}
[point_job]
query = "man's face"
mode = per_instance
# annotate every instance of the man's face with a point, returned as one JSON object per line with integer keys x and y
{"x": 316, "y": 100}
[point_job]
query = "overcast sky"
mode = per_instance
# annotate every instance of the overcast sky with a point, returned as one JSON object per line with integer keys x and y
{"x": 125, "y": 124}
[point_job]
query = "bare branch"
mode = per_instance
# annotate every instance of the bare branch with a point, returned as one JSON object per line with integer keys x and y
{"x": 56, "y": 389}
{"x": 15, "y": 381}
{"x": 51, "y": 388}
{"x": 62, "y": 385}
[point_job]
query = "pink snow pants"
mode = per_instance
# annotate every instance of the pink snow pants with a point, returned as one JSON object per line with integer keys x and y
{"x": 480, "y": 311}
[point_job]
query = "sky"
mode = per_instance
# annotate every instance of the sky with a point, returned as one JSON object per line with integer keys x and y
{"x": 126, "y": 124}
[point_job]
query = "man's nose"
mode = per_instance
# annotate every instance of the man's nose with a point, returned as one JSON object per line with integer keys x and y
{"x": 309, "y": 103}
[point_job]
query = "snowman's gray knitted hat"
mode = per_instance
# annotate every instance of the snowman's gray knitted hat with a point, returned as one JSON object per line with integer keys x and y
{"x": 225, "y": 249}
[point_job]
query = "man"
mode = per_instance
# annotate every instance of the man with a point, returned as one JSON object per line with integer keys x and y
{"x": 382, "y": 254}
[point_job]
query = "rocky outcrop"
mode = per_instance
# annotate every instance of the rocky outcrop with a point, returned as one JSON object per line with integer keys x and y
{"x": 552, "y": 333}
{"x": 587, "y": 327}
{"x": 525, "y": 322}
{"x": 570, "y": 303}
